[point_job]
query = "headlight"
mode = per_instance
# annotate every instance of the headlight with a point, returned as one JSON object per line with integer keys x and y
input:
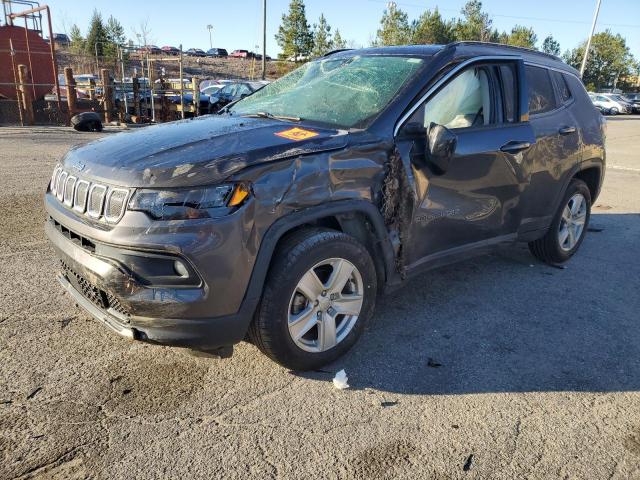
{"x": 189, "y": 203}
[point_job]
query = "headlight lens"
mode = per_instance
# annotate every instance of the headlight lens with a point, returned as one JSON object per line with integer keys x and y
{"x": 188, "y": 203}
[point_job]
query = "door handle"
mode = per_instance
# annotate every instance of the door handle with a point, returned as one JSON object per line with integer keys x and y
{"x": 515, "y": 147}
{"x": 567, "y": 130}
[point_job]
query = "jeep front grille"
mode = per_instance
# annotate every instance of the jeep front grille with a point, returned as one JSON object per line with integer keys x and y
{"x": 96, "y": 200}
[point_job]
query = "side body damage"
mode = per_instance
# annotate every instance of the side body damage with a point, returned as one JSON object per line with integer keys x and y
{"x": 502, "y": 183}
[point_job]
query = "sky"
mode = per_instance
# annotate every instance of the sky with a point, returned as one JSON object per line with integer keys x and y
{"x": 238, "y": 23}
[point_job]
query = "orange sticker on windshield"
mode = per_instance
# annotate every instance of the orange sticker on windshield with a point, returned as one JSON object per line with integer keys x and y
{"x": 296, "y": 133}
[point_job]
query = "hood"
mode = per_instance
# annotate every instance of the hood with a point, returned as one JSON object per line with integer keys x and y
{"x": 195, "y": 152}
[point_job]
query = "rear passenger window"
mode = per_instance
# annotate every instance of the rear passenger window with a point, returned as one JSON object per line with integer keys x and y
{"x": 561, "y": 86}
{"x": 509, "y": 92}
{"x": 541, "y": 96}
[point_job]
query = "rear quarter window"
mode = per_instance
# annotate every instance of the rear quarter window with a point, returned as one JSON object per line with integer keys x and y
{"x": 562, "y": 87}
{"x": 541, "y": 96}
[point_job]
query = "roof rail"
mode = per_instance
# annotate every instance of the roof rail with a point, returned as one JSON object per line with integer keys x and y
{"x": 503, "y": 45}
{"x": 337, "y": 50}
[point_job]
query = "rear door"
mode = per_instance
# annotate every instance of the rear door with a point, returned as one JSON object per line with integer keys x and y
{"x": 476, "y": 201}
{"x": 557, "y": 146}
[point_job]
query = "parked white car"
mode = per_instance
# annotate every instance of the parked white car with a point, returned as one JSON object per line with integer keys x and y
{"x": 608, "y": 104}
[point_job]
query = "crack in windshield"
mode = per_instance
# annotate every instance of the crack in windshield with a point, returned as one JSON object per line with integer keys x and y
{"x": 341, "y": 92}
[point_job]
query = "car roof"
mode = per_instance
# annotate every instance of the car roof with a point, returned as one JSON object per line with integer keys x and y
{"x": 463, "y": 50}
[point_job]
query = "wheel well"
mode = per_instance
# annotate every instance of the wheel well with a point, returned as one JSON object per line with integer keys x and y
{"x": 358, "y": 226}
{"x": 590, "y": 176}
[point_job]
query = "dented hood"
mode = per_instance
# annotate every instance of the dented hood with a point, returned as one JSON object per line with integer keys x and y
{"x": 193, "y": 152}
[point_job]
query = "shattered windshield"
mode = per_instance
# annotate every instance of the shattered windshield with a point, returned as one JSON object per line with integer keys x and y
{"x": 343, "y": 92}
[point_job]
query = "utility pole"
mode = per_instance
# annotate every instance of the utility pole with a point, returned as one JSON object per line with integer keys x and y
{"x": 210, "y": 27}
{"x": 586, "y": 50}
{"x": 264, "y": 39}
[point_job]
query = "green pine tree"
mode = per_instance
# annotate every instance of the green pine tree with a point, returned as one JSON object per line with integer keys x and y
{"x": 338, "y": 42}
{"x": 394, "y": 28}
{"x": 294, "y": 34}
{"x": 97, "y": 36}
{"x": 76, "y": 39}
{"x": 430, "y": 28}
{"x": 551, "y": 46}
{"x": 322, "y": 42}
{"x": 475, "y": 24}
{"x": 115, "y": 36}
{"x": 522, "y": 37}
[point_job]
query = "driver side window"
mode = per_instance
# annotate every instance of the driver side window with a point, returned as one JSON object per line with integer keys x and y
{"x": 464, "y": 102}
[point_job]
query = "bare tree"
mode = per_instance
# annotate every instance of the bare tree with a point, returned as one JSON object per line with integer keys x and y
{"x": 143, "y": 32}
{"x": 63, "y": 24}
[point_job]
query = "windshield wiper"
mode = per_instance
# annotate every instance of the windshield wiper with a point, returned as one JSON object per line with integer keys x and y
{"x": 271, "y": 115}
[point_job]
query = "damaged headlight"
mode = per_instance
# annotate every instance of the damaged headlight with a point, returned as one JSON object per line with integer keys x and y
{"x": 190, "y": 203}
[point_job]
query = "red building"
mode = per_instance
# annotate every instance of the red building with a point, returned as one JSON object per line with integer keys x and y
{"x": 38, "y": 63}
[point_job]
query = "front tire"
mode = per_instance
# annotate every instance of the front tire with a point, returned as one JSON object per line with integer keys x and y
{"x": 319, "y": 294}
{"x": 568, "y": 227}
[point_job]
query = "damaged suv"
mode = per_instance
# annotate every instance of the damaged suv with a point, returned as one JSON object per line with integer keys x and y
{"x": 281, "y": 220}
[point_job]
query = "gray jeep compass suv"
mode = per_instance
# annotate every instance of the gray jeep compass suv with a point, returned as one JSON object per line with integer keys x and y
{"x": 280, "y": 220}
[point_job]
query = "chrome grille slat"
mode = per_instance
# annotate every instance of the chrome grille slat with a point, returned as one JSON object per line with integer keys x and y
{"x": 69, "y": 190}
{"x": 54, "y": 179}
{"x": 80, "y": 199}
{"x": 62, "y": 180}
{"x": 115, "y": 205}
{"x": 95, "y": 204}
{"x": 98, "y": 201}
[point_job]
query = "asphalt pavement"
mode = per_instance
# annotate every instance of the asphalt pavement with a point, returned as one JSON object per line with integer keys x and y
{"x": 497, "y": 367}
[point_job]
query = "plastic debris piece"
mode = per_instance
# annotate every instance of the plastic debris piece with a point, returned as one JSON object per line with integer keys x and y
{"x": 340, "y": 380}
{"x": 33, "y": 393}
{"x": 432, "y": 363}
{"x": 468, "y": 463}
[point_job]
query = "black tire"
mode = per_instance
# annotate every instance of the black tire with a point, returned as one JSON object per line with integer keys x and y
{"x": 548, "y": 248}
{"x": 298, "y": 253}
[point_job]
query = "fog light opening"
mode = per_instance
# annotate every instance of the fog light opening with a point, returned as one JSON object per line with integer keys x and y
{"x": 180, "y": 269}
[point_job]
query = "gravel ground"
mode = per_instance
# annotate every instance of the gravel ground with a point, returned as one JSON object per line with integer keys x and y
{"x": 498, "y": 367}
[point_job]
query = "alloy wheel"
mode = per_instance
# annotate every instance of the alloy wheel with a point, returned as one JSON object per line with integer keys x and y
{"x": 572, "y": 222}
{"x": 325, "y": 305}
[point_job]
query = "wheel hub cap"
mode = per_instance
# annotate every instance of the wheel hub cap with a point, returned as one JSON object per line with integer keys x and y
{"x": 325, "y": 305}
{"x": 572, "y": 222}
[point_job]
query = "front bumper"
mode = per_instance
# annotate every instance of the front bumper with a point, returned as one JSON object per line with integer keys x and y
{"x": 185, "y": 316}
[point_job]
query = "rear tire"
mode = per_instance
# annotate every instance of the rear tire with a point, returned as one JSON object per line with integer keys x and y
{"x": 613, "y": 111}
{"x": 568, "y": 228}
{"x": 301, "y": 327}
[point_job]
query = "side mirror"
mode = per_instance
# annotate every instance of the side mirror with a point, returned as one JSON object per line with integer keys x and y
{"x": 413, "y": 130}
{"x": 244, "y": 95}
{"x": 441, "y": 144}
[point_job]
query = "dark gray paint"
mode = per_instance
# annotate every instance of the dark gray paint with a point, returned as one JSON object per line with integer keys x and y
{"x": 486, "y": 197}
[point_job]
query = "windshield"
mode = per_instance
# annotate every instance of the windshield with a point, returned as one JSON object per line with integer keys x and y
{"x": 344, "y": 92}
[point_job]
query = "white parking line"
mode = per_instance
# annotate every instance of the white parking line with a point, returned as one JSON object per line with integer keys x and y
{"x": 627, "y": 169}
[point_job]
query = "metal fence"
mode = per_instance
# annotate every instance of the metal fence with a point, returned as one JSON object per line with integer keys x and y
{"x": 130, "y": 84}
